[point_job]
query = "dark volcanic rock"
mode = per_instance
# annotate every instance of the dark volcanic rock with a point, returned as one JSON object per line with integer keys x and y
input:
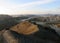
{"x": 47, "y": 33}
{"x": 29, "y": 39}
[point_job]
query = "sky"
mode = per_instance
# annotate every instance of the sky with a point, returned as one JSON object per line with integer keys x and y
{"x": 29, "y": 7}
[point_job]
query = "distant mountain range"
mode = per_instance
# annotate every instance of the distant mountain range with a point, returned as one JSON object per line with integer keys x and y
{"x": 32, "y": 15}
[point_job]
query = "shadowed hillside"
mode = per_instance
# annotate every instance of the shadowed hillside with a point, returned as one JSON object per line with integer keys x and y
{"x": 6, "y": 21}
{"x": 26, "y": 31}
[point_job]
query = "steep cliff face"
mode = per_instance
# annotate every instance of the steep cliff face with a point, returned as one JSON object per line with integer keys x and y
{"x": 25, "y": 28}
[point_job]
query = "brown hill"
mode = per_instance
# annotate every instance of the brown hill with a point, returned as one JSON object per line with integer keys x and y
{"x": 25, "y": 28}
{"x": 58, "y": 25}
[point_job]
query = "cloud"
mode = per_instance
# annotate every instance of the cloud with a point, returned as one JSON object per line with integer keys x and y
{"x": 54, "y": 11}
{"x": 12, "y": 8}
{"x": 40, "y": 2}
{"x": 7, "y": 4}
{"x": 34, "y": 3}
